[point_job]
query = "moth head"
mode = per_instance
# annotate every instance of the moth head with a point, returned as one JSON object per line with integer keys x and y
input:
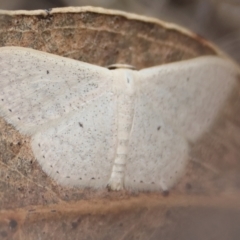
{"x": 120, "y": 66}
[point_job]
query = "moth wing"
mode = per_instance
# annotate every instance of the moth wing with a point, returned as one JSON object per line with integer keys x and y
{"x": 175, "y": 104}
{"x": 189, "y": 94}
{"x": 79, "y": 151}
{"x": 38, "y": 89}
{"x": 67, "y": 107}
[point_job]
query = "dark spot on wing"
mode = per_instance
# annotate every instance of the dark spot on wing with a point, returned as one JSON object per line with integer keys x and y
{"x": 159, "y": 127}
{"x": 47, "y": 72}
{"x": 80, "y": 124}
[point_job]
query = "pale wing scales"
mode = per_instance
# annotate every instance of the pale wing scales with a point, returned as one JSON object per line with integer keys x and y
{"x": 189, "y": 94}
{"x": 175, "y": 103}
{"x": 157, "y": 153}
{"x": 80, "y": 150}
{"x": 38, "y": 88}
{"x": 69, "y": 110}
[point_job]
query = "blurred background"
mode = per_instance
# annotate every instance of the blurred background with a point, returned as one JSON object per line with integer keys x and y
{"x": 215, "y": 20}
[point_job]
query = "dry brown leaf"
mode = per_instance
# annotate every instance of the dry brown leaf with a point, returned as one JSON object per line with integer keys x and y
{"x": 205, "y": 203}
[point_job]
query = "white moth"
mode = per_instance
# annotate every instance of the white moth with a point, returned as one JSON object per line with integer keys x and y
{"x": 93, "y": 127}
